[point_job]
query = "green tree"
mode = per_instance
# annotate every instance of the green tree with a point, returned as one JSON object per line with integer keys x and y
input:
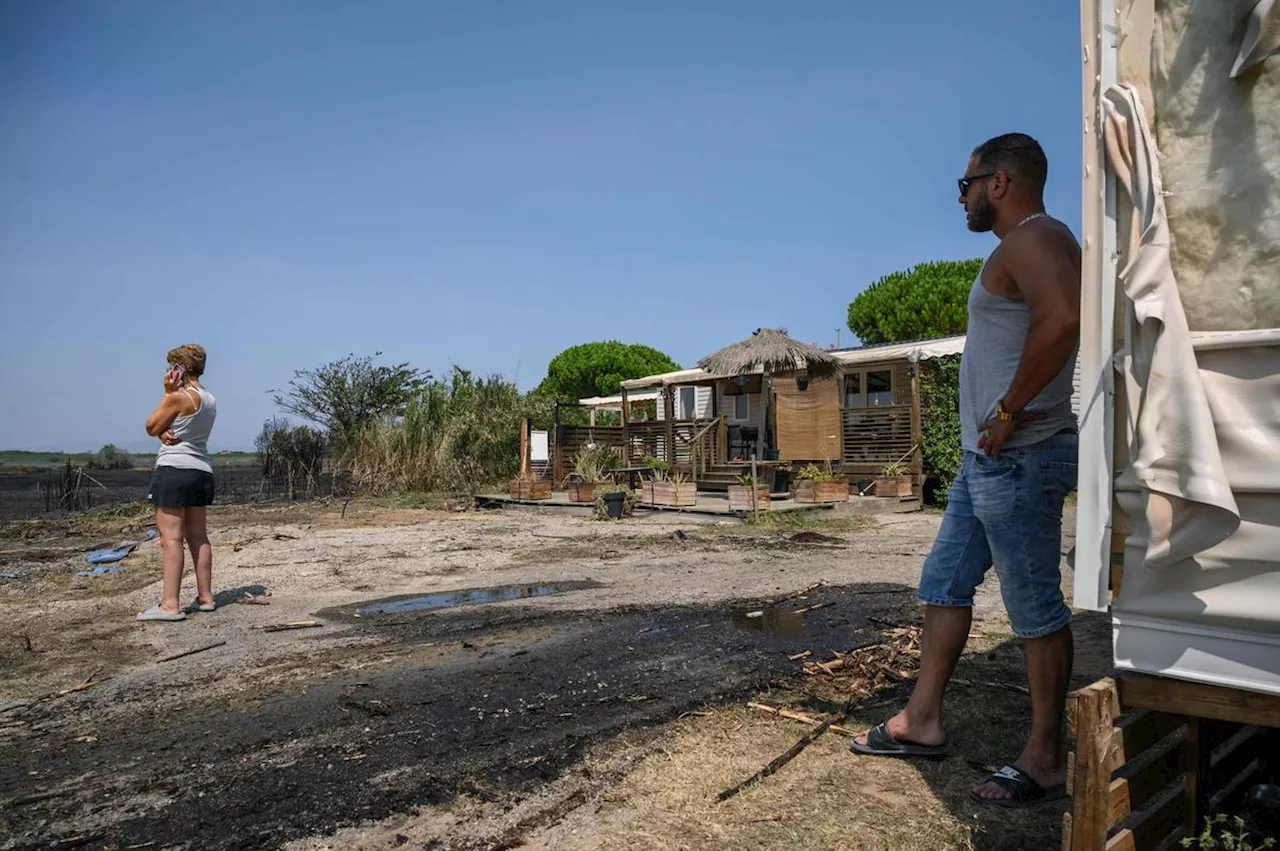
{"x": 927, "y": 301}
{"x": 598, "y": 369}
{"x": 347, "y": 395}
{"x": 111, "y": 457}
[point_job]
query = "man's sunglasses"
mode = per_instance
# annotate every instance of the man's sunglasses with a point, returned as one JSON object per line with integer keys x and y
{"x": 966, "y": 182}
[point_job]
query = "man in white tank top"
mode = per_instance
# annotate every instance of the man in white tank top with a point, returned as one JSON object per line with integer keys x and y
{"x": 1019, "y": 463}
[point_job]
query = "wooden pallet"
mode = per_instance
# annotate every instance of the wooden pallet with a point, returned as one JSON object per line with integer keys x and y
{"x": 1151, "y": 756}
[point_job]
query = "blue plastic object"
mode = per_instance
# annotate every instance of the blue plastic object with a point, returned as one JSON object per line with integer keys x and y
{"x": 98, "y": 571}
{"x": 112, "y": 555}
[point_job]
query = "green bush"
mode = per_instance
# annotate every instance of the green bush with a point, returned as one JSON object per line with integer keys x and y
{"x": 814, "y": 473}
{"x": 940, "y": 404}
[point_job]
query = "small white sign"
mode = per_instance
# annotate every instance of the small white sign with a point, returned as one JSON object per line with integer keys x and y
{"x": 538, "y": 447}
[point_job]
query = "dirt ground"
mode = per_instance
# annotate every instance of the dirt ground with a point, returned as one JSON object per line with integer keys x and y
{"x": 600, "y": 702}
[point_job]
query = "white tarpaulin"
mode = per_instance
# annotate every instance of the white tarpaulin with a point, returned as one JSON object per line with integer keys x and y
{"x": 1200, "y": 592}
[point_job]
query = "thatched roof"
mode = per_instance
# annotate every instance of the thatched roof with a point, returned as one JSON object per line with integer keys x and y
{"x": 771, "y": 351}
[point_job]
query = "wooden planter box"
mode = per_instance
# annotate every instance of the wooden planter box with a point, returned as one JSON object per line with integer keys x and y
{"x": 808, "y": 490}
{"x": 583, "y": 491}
{"x": 670, "y": 493}
{"x": 529, "y": 490}
{"x": 742, "y": 499}
{"x": 894, "y": 486}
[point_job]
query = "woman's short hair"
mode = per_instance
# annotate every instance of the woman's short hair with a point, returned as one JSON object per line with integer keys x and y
{"x": 190, "y": 357}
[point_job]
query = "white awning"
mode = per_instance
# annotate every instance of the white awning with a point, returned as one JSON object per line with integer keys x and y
{"x": 914, "y": 352}
{"x": 615, "y": 402}
{"x": 683, "y": 376}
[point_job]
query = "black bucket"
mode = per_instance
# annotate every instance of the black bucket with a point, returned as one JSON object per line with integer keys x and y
{"x": 613, "y": 503}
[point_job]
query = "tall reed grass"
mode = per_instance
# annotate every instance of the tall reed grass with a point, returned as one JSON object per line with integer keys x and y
{"x": 460, "y": 434}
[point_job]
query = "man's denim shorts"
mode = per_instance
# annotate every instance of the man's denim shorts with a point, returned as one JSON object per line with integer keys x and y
{"x": 1007, "y": 513}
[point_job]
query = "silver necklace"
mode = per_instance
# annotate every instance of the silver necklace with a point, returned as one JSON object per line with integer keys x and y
{"x": 1031, "y": 218}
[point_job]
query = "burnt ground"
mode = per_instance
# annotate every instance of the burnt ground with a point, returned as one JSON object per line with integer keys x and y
{"x": 497, "y": 701}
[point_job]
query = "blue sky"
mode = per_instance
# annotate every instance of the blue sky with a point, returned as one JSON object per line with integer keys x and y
{"x": 476, "y": 183}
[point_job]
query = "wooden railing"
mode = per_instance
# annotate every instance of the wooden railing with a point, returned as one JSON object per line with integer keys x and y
{"x": 652, "y": 439}
{"x": 704, "y": 449}
{"x": 643, "y": 440}
{"x": 877, "y": 435}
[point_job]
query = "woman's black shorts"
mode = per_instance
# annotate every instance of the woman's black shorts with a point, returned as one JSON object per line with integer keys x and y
{"x": 175, "y": 487}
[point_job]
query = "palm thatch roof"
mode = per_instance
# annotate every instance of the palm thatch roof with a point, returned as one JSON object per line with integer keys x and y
{"x": 771, "y": 351}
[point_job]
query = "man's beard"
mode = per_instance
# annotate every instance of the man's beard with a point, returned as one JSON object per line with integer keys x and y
{"x": 981, "y": 215}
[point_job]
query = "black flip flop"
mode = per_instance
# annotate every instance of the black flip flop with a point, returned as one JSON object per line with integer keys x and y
{"x": 1021, "y": 787}
{"x": 880, "y": 742}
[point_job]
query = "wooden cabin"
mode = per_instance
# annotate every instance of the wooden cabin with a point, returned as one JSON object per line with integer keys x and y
{"x": 859, "y": 421}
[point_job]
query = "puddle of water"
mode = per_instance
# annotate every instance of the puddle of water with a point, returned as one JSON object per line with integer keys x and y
{"x": 782, "y": 623}
{"x": 467, "y": 597}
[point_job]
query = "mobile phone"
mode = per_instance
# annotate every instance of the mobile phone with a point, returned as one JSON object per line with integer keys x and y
{"x": 178, "y": 372}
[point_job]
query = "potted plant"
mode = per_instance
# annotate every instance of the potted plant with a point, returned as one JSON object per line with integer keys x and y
{"x": 590, "y": 472}
{"x": 743, "y": 498}
{"x": 815, "y": 484}
{"x": 529, "y": 486}
{"x": 658, "y": 473}
{"x": 894, "y": 480}
{"x": 613, "y": 502}
{"x": 675, "y": 488}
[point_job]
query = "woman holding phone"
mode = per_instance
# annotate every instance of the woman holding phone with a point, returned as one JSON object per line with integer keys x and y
{"x": 182, "y": 482}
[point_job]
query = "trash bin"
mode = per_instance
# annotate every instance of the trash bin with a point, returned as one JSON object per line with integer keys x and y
{"x": 781, "y": 480}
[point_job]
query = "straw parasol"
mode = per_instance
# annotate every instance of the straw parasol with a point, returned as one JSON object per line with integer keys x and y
{"x": 772, "y": 352}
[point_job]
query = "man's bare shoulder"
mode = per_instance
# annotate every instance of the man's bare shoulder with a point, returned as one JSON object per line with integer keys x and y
{"x": 1038, "y": 239}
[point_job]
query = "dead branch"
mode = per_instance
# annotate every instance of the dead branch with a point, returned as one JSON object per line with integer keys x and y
{"x": 803, "y": 654}
{"x": 240, "y": 545}
{"x": 36, "y": 798}
{"x": 815, "y": 586}
{"x": 846, "y": 660}
{"x": 796, "y": 716}
{"x": 1005, "y": 686}
{"x": 191, "y": 652}
{"x": 88, "y": 683}
{"x": 82, "y": 839}
{"x": 787, "y": 755}
{"x": 280, "y": 627}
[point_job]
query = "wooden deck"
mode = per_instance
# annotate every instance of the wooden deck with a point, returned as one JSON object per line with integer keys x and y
{"x": 709, "y": 504}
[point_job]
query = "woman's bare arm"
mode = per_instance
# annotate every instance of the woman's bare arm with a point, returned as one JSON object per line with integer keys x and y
{"x": 172, "y": 406}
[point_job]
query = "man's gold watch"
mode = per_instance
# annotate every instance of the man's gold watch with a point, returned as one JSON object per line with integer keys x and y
{"x": 1002, "y": 414}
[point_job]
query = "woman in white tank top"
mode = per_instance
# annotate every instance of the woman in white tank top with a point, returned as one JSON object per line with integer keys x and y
{"x": 182, "y": 482}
